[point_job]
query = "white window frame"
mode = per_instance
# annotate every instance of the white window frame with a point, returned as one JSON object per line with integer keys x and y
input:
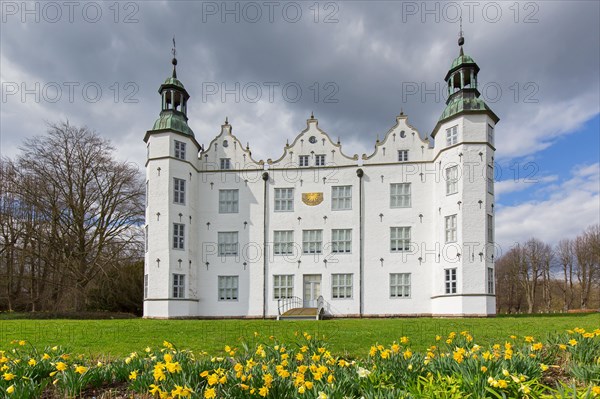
{"x": 312, "y": 241}
{"x": 400, "y": 285}
{"x": 225, "y": 163}
{"x": 400, "y": 239}
{"x": 450, "y": 281}
{"x": 228, "y": 288}
{"x": 178, "y": 286}
{"x": 490, "y": 280}
{"x": 283, "y": 242}
{"x": 402, "y": 155}
{"x": 341, "y": 198}
{"x": 179, "y": 149}
{"x": 452, "y": 135}
{"x": 341, "y": 286}
{"x": 452, "y": 180}
{"x": 490, "y": 134}
{"x": 490, "y": 179}
{"x": 341, "y": 241}
{"x": 284, "y": 200}
{"x": 490, "y": 228}
{"x": 229, "y": 201}
{"x": 320, "y": 160}
{"x": 303, "y": 160}
{"x": 145, "y": 286}
{"x": 450, "y": 223}
{"x": 178, "y": 191}
{"x": 283, "y": 286}
{"x": 178, "y": 236}
{"x": 146, "y": 238}
{"x": 228, "y": 244}
{"x": 400, "y": 195}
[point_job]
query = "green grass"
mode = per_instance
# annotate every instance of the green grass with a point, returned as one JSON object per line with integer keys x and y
{"x": 347, "y": 337}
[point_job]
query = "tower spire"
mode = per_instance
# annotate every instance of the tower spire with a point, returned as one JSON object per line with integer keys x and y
{"x": 461, "y": 38}
{"x": 174, "y": 60}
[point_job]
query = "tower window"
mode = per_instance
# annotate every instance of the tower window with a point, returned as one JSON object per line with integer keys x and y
{"x": 178, "y": 236}
{"x": 450, "y": 281}
{"x": 145, "y": 286}
{"x": 178, "y": 285}
{"x": 303, "y": 160}
{"x": 228, "y": 243}
{"x": 341, "y": 241}
{"x": 225, "y": 163}
{"x": 490, "y": 228}
{"x": 179, "y": 150}
{"x": 320, "y": 160}
{"x": 451, "y": 180}
{"x": 312, "y": 241}
{"x": 284, "y": 199}
{"x": 451, "y": 228}
{"x": 452, "y": 135}
{"x": 400, "y": 195}
{"x": 399, "y": 239}
{"x": 283, "y": 242}
{"x": 402, "y": 155}
{"x": 490, "y": 179}
{"x": 228, "y": 288}
{"x": 179, "y": 191}
{"x": 228, "y": 201}
{"x": 490, "y": 280}
{"x": 399, "y": 285}
{"x": 490, "y": 134}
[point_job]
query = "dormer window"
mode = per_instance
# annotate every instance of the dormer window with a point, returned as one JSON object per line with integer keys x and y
{"x": 320, "y": 160}
{"x": 225, "y": 163}
{"x": 452, "y": 135}
{"x": 402, "y": 155}
{"x": 303, "y": 160}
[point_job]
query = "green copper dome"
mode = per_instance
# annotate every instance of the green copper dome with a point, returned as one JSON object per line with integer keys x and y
{"x": 462, "y": 59}
{"x": 459, "y": 104}
{"x": 173, "y": 121}
{"x": 173, "y": 81}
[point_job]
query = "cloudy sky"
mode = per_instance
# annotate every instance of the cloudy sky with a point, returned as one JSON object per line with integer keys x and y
{"x": 356, "y": 64}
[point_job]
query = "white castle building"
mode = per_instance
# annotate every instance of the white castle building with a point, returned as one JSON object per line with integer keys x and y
{"x": 406, "y": 230}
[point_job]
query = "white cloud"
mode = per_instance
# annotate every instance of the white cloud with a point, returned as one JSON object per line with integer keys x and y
{"x": 571, "y": 207}
{"x": 515, "y": 185}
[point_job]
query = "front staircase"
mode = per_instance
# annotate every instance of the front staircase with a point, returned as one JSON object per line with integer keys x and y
{"x": 293, "y": 309}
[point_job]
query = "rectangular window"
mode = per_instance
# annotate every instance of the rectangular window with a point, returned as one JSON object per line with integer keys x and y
{"x": 341, "y": 286}
{"x": 452, "y": 135}
{"x": 283, "y": 286}
{"x": 452, "y": 180}
{"x": 341, "y": 198}
{"x": 178, "y": 235}
{"x": 400, "y": 195}
{"x": 490, "y": 228}
{"x": 490, "y": 134}
{"x": 178, "y": 191}
{"x": 145, "y": 286}
{"x": 178, "y": 285}
{"x": 303, "y": 160}
{"x": 179, "y": 150}
{"x": 146, "y": 238}
{"x": 228, "y": 243}
{"x": 399, "y": 285}
{"x": 320, "y": 160}
{"x": 490, "y": 280}
{"x": 312, "y": 241}
{"x": 228, "y": 288}
{"x": 451, "y": 228}
{"x": 490, "y": 179}
{"x": 228, "y": 201}
{"x": 450, "y": 281}
{"x": 283, "y": 242}
{"x": 147, "y": 188}
{"x": 284, "y": 199}
{"x": 399, "y": 239}
{"x": 341, "y": 241}
{"x": 225, "y": 163}
{"x": 402, "y": 155}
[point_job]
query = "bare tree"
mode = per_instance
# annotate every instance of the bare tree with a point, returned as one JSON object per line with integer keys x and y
{"x": 565, "y": 255}
{"x": 587, "y": 252}
{"x": 533, "y": 259}
{"x": 86, "y": 200}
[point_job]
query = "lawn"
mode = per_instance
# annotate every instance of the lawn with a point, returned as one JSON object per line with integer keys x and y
{"x": 346, "y": 337}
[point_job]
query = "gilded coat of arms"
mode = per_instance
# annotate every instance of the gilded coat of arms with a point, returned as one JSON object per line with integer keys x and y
{"x": 312, "y": 199}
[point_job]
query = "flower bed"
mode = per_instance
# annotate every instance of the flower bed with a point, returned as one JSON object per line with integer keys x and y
{"x": 454, "y": 366}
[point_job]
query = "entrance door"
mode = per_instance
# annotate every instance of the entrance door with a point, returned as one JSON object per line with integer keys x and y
{"x": 312, "y": 290}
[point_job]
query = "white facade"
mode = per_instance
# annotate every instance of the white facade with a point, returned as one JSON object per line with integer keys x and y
{"x": 406, "y": 230}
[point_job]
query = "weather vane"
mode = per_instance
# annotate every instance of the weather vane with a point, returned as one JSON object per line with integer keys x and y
{"x": 461, "y": 39}
{"x": 174, "y": 49}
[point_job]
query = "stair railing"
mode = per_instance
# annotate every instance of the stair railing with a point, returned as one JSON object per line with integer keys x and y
{"x": 285, "y": 304}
